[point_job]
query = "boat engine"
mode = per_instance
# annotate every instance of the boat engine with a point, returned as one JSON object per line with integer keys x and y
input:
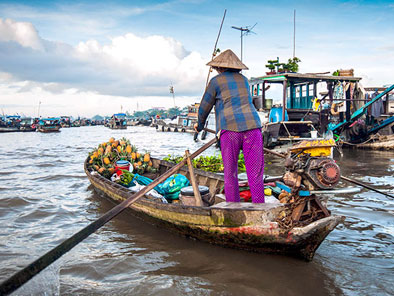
{"x": 310, "y": 164}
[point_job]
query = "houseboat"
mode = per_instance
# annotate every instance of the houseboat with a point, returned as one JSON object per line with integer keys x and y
{"x": 9, "y": 123}
{"x": 27, "y": 125}
{"x": 65, "y": 121}
{"x": 182, "y": 123}
{"x": 49, "y": 125}
{"x": 313, "y": 106}
{"x": 118, "y": 121}
{"x": 371, "y": 125}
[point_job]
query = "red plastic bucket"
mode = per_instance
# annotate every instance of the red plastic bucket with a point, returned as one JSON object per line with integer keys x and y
{"x": 121, "y": 165}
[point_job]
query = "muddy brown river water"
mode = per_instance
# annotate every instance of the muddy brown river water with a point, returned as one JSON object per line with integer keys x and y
{"x": 45, "y": 197}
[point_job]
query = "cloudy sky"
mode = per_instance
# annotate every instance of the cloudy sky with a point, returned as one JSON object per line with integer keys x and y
{"x": 96, "y": 57}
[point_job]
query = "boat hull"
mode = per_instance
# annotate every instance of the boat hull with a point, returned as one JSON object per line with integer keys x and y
{"x": 118, "y": 127}
{"x": 48, "y": 129}
{"x": 247, "y": 227}
{"x": 26, "y": 129}
{"x": 8, "y": 129}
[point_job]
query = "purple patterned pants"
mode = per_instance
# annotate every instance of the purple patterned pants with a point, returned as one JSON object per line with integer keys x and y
{"x": 251, "y": 143}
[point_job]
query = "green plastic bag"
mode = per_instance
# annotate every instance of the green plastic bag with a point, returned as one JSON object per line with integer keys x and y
{"x": 142, "y": 180}
{"x": 172, "y": 186}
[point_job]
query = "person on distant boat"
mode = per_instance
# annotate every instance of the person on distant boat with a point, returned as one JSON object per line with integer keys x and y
{"x": 237, "y": 124}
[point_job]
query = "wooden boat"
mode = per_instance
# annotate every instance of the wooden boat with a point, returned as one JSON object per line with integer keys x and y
{"x": 48, "y": 129}
{"x": 9, "y": 123}
{"x": 8, "y": 129}
{"x": 49, "y": 125}
{"x": 118, "y": 121}
{"x": 65, "y": 121}
{"x": 246, "y": 226}
{"x": 27, "y": 125}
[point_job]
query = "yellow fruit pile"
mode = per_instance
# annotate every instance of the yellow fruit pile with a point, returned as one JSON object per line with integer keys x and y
{"x": 103, "y": 159}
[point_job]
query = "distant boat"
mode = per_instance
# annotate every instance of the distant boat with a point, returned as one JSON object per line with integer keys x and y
{"x": 9, "y": 123}
{"x": 65, "y": 121}
{"x": 7, "y": 129}
{"x": 27, "y": 125}
{"x": 49, "y": 125}
{"x": 118, "y": 121}
{"x": 76, "y": 123}
{"x": 182, "y": 123}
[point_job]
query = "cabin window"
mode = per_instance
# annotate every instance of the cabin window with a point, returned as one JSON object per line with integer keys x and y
{"x": 297, "y": 92}
{"x": 304, "y": 90}
{"x": 311, "y": 87}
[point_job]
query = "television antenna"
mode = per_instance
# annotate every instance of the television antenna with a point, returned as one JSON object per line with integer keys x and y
{"x": 245, "y": 31}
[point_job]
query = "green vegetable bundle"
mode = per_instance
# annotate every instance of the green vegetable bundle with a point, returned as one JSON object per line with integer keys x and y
{"x": 209, "y": 163}
{"x": 125, "y": 178}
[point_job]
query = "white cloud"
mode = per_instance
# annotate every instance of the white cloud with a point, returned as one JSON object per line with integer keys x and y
{"x": 20, "y": 32}
{"x": 75, "y": 103}
{"x": 93, "y": 77}
{"x": 127, "y": 65}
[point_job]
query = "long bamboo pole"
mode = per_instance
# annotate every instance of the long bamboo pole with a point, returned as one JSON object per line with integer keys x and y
{"x": 214, "y": 48}
{"x": 24, "y": 275}
{"x": 195, "y": 137}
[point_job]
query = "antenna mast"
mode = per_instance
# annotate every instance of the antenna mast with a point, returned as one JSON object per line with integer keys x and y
{"x": 294, "y": 35}
{"x": 244, "y": 31}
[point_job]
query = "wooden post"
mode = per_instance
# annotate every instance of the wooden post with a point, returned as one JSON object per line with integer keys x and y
{"x": 284, "y": 99}
{"x": 314, "y": 89}
{"x": 307, "y": 101}
{"x": 197, "y": 194}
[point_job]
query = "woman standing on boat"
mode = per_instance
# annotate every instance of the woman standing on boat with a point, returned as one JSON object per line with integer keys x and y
{"x": 237, "y": 124}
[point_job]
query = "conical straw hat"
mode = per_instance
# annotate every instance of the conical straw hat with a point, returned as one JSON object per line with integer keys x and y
{"x": 227, "y": 59}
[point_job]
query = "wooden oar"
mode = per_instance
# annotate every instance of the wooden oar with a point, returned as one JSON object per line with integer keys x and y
{"x": 24, "y": 275}
{"x": 342, "y": 177}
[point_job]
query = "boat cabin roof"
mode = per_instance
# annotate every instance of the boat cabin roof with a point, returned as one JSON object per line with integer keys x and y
{"x": 377, "y": 88}
{"x": 49, "y": 119}
{"x": 12, "y": 116}
{"x": 119, "y": 115}
{"x": 302, "y": 78}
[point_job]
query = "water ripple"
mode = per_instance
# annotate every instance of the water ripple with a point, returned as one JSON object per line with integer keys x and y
{"x": 46, "y": 198}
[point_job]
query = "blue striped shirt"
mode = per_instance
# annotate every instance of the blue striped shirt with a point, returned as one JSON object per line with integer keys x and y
{"x": 234, "y": 109}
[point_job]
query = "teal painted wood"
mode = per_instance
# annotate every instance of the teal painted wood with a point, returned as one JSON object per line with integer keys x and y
{"x": 362, "y": 110}
{"x": 300, "y": 101}
{"x": 358, "y": 113}
{"x": 383, "y": 124}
